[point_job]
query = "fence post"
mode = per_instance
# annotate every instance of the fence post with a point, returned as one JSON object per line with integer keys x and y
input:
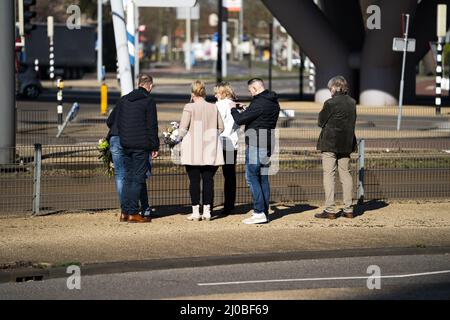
{"x": 361, "y": 169}
{"x": 37, "y": 178}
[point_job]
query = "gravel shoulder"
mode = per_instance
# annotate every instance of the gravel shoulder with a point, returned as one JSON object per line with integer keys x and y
{"x": 99, "y": 238}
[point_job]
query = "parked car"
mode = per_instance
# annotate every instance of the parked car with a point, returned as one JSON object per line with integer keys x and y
{"x": 29, "y": 85}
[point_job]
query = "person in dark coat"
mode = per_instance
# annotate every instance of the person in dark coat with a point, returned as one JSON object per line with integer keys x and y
{"x": 119, "y": 166}
{"x": 138, "y": 132}
{"x": 260, "y": 120}
{"x": 336, "y": 142}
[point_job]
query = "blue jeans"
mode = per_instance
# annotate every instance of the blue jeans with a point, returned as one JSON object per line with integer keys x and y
{"x": 257, "y": 163}
{"x": 119, "y": 172}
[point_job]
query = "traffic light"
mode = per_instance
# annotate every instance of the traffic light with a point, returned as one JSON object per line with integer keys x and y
{"x": 28, "y": 15}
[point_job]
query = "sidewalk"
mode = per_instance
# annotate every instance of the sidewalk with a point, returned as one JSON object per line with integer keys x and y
{"x": 100, "y": 238}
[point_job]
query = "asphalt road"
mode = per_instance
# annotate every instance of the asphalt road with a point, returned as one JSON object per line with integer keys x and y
{"x": 400, "y": 277}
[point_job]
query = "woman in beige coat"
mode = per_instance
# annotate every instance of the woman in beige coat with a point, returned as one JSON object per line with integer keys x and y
{"x": 201, "y": 148}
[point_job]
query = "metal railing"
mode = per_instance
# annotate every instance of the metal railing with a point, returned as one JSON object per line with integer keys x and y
{"x": 53, "y": 178}
{"x": 66, "y": 174}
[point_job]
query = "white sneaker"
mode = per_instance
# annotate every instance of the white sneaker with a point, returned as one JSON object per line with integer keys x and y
{"x": 256, "y": 218}
{"x": 206, "y": 213}
{"x": 195, "y": 216}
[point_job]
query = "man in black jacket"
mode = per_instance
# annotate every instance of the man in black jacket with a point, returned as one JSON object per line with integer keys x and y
{"x": 337, "y": 141}
{"x": 138, "y": 132}
{"x": 119, "y": 166}
{"x": 260, "y": 120}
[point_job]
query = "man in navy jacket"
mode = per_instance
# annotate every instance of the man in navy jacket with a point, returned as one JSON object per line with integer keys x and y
{"x": 138, "y": 132}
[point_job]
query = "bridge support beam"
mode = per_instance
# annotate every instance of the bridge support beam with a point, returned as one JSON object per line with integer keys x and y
{"x": 306, "y": 23}
{"x": 380, "y": 66}
{"x": 335, "y": 39}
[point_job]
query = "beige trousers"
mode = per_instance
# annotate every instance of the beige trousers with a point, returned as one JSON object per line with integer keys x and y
{"x": 330, "y": 161}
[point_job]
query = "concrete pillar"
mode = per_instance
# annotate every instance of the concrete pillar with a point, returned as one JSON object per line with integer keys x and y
{"x": 7, "y": 87}
{"x": 380, "y": 66}
{"x": 317, "y": 44}
{"x": 350, "y": 29}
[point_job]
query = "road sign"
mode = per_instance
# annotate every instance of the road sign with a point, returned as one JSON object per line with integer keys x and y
{"x": 50, "y": 27}
{"x": 215, "y": 37}
{"x": 182, "y": 13}
{"x": 399, "y": 45}
{"x": 165, "y": 3}
{"x": 442, "y": 20}
{"x": 213, "y": 20}
{"x": 70, "y": 117}
{"x": 233, "y": 5}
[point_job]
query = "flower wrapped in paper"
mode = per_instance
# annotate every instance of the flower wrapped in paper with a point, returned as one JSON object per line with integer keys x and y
{"x": 106, "y": 156}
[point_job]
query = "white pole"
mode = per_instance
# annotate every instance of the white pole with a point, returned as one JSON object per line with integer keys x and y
{"x": 120, "y": 34}
{"x": 50, "y": 34}
{"x": 289, "y": 53}
{"x": 402, "y": 81}
{"x": 241, "y": 30}
{"x": 136, "y": 44}
{"x": 187, "y": 53}
{"x": 441, "y": 32}
{"x": 224, "y": 49}
{"x": 99, "y": 40}
{"x": 131, "y": 30}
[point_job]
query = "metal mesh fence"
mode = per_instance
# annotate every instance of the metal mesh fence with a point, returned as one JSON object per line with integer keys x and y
{"x": 413, "y": 163}
{"x": 74, "y": 178}
{"x": 16, "y": 179}
{"x": 398, "y": 170}
{"x": 33, "y": 126}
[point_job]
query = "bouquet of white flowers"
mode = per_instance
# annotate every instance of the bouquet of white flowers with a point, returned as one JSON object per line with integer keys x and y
{"x": 106, "y": 156}
{"x": 172, "y": 135}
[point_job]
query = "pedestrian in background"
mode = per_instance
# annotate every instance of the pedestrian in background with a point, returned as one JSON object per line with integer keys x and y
{"x": 201, "y": 149}
{"x": 336, "y": 142}
{"x": 138, "y": 132}
{"x": 260, "y": 120}
{"x": 230, "y": 140}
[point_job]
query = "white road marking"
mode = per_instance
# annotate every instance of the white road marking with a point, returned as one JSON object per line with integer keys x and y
{"x": 411, "y": 275}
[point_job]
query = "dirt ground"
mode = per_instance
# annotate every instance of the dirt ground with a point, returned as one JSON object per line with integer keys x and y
{"x": 85, "y": 237}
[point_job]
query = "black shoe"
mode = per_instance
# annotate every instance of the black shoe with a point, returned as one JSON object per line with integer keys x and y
{"x": 226, "y": 211}
{"x": 326, "y": 215}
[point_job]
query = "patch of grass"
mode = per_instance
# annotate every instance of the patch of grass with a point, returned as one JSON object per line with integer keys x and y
{"x": 409, "y": 163}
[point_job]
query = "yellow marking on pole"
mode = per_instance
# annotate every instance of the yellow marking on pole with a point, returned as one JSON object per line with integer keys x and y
{"x": 104, "y": 99}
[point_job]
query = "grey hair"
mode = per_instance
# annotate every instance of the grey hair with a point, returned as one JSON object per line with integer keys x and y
{"x": 339, "y": 84}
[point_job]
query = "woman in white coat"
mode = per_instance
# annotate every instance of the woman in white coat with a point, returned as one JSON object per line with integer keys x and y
{"x": 230, "y": 139}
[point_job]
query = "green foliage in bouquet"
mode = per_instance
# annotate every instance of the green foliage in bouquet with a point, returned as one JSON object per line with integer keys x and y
{"x": 106, "y": 156}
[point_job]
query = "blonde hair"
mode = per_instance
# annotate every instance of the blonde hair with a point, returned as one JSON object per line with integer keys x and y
{"x": 225, "y": 90}
{"x": 198, "y": 89}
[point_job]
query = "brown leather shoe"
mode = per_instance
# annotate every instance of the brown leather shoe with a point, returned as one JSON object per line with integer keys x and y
{"x": 137, "y": 218}
{"x": 326, "y": 215}
{"x": 124, "y": 217}
{"x": 348, "y": 215}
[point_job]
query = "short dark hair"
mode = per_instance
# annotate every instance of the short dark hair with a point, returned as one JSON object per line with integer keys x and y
{"x": 144, "y": 79}
{"x": 253, "y": 80}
